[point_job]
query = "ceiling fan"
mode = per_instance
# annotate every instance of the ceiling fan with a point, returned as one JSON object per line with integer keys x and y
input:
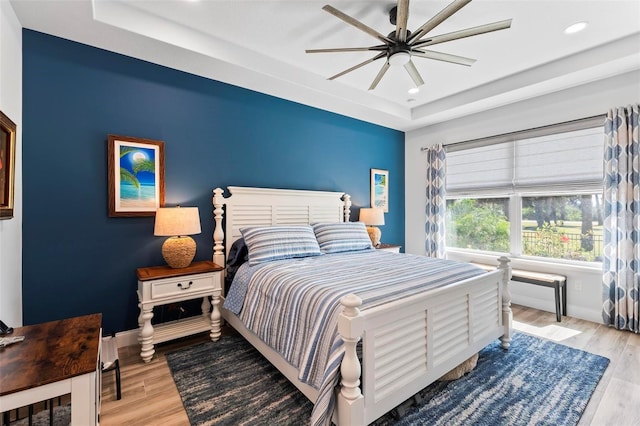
{"x": 401, "y": 45}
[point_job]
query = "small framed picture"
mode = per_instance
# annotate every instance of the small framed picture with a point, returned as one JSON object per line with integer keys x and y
{"x": 136, "y": 176}
{"x": 380, "y": 189}
{"x": 7, "y": 165}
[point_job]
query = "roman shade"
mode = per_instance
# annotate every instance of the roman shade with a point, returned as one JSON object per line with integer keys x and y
{"x": 568, "y": 161}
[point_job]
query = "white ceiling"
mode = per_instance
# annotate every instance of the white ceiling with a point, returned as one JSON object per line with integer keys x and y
{"x": 261, "y": 45}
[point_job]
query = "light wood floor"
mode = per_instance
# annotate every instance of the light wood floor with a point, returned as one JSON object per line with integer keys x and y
{"x": 149, "y": 396}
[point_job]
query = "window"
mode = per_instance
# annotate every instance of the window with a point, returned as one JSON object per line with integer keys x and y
{"x": 537, "y": 193}
{"x": 563, "y": 227}
{"x": 478, "y": 224}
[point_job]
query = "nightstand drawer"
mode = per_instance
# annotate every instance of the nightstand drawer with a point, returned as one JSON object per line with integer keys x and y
{"x": 389, "y": 247}
{"x": 181, "y": 285}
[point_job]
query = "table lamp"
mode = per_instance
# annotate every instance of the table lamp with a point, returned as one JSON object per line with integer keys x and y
{"x": 177, "y": 223}
{"x": 372, "y": 216}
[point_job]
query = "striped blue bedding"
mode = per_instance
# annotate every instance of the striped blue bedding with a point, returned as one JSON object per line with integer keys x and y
{"x": 293, "y": 305}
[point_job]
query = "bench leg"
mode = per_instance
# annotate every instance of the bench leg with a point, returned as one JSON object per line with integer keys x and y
{"x": 118, "y": 386}
{"x": 557, "y": 291}
{"x": 564, "y": 299}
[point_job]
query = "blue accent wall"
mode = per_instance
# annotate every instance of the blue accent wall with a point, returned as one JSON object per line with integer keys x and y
{"x": 77, "y": 259}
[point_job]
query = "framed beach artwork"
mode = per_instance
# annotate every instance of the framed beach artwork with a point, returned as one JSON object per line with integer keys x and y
{"x": 136, "y": 176}
{"x": 380, "y": 189}
{"x": 7, "y": 165}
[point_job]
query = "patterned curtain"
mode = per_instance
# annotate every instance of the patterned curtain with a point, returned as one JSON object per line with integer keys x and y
{"x": 436, "y": 203}
{"x": 621, "y": 264}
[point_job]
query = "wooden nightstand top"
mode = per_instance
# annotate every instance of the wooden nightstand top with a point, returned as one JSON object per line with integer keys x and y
{"x": 159, "y": 272}
{"x": 382, "y": 246}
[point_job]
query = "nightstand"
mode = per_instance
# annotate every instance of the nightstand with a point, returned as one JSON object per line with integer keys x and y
{"x": 160, "y": 285}
{"x": 388, "y": 247}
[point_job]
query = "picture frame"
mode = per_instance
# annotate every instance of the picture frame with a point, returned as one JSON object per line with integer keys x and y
{"x": 136, "y": 176}
{"x": 380, "y": 189}
{"x": 7, "y": 166}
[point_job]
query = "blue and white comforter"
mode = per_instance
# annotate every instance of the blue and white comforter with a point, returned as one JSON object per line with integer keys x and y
{"x": 293, "y": 305}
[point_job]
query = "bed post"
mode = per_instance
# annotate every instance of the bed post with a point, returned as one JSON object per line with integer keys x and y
{"x": 350, "y": 327}
{"x": 347, "y": 206}
{"x": 507, "y": 315}
{"x": 218, "y": 233}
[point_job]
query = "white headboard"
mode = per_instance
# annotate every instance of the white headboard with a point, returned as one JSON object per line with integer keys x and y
{"x": 267, "y": 206}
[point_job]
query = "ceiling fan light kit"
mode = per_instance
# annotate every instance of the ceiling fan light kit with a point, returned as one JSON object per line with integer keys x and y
{"x": 400, "y": 46}
{"x": 399, "y": 59}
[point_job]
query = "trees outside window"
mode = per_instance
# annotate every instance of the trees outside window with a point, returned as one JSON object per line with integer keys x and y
{"x": 479, "y": 224}
{"x": 564, "y": 227}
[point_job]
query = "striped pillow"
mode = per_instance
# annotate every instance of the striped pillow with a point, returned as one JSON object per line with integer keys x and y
{"x": 342, "y": 236}
{"x": 267, "y": 243}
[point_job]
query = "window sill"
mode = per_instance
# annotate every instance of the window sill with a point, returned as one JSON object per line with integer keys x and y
{"x": 527, "y": 263}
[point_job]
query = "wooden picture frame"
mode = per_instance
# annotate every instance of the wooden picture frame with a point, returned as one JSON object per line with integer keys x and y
{"x": 7, "y": 166}
{"x": 136, "y": 176}
{"x": 380, "y": 189}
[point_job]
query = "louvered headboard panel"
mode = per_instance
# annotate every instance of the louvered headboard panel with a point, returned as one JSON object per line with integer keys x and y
{"x": 246, "y": 206}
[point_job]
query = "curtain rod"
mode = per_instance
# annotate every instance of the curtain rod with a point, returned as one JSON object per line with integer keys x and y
{"x": 567, "y": 126}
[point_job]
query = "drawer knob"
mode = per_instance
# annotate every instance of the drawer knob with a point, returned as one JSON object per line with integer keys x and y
{"x": 184, "y": 287}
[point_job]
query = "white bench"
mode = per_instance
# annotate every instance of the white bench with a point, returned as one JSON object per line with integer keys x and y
{"x": 555, "y": 281}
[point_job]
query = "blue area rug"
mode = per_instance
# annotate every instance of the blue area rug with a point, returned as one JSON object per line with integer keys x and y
{"x": 535, "y": 382}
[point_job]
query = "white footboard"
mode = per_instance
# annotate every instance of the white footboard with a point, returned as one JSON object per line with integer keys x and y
{"x": 409, "y": 344}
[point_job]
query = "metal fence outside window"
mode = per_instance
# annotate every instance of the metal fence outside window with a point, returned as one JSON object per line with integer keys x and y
{"x": 572, "y": 242}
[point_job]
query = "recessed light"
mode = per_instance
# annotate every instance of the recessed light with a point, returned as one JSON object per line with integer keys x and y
{"x": 411, "y": 100}
{"x": 414, "y": 90}
{"x": 575, "y": 28}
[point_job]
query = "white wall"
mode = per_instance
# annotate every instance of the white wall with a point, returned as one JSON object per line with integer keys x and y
{"x": 596, "y": 98}
{"x": 11, "y": 105}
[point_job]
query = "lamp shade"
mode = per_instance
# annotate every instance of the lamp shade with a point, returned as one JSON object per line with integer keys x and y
{"x": 372, "y": 216}
{"x": 176, "y": 221}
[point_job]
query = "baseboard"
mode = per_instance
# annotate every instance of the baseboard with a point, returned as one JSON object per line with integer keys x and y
{"x": 549, "y": 306}
{"x": 127, "y": 338}
{"x": 585, "y": 314}
{"x": 533, "y": 302}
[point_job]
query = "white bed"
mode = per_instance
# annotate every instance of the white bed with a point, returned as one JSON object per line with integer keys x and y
{"x": 456, "y": 321}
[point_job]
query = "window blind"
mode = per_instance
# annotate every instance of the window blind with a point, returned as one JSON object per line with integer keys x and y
{"x": 486, "y": 169}
{"x": 571, "y": 161}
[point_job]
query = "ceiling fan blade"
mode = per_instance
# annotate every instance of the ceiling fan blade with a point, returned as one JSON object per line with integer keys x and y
{"x": 402, "y": 16}
{"x": 355, "y": 67}
{"x": 347, "y": 49}
{"x": 446, "y": 57}
{"x": 413, "y": 72}
{"x": 359, "y": 25}
{"x": 437, "y": 19}
{"x": 381, "y": 73}
{"x": 482, "y": 29}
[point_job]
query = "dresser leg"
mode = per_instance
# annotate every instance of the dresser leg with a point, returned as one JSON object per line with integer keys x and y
{"x": 146, "y": 334}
